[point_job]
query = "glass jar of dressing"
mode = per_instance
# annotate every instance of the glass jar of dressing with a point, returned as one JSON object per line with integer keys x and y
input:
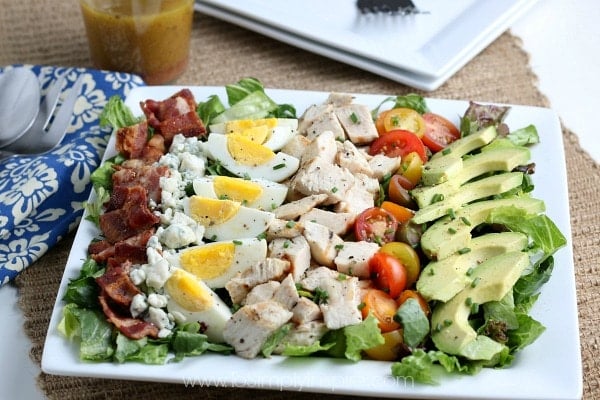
{"x": 150, "y": 38}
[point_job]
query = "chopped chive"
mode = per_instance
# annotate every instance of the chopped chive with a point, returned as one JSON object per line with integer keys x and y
{"x": 354, "y": 118}
{"x": 431, "y": 271}
{"x": 437, "y": 197}
{"x": 470, "y": 271}
{"x": 451, "y": 231}
{"x": 342, "y": 277}
{"x": 262, "y": 236}
{"x": 451, "y": 213}
{"x": 464, "y": 250}
{"x": 279, "y": 166}
{"x": 290, "y": 224}
{"x": 361, "y": 305}
{"x": 334, "y": 189}
{"x": 237, "y": 242}
{"x": 338, "y": 247}
{"x": 465, "y": 221}
{"x": 469, "y": 301}
{"x": 447, "y": 322}
{"x": 475, "y": 282}
{"x": 286, "y": 244}
{"x": 446, "y": 151}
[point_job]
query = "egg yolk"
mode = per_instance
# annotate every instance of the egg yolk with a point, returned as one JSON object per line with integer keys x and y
{"x": 260, "y": 128}
{"x": 236, "y": 189}
{"x": 185, "y": 289}
{"x": 208, "y": 212}
{"x": 246, "y": 152}
{"x": 209, "y": 261}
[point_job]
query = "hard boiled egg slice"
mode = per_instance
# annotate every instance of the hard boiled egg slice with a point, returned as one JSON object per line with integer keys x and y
{"x": 254, "y": 193}
{"x": 216, "y": 263}
{"x": 245, "y": 158}
{"x": 226, "y": 219}
{"x": 191, "y": 300}
{"x": 273, "y": 133}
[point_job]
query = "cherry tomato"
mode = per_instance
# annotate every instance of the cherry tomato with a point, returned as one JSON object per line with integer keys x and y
{"x": 383, "y": 307}
{"x": 413, "y": 294}
{"x": 392, "y": 349}
{"x": 439, "y": 132}
{"x": 401, "y": 213}
{"x": 398, "y": 188}
{"x": 412, "y": 168}
{"x": 400, "y": 118}
{"x": 407, "y": 256}
{"x": 375, "y": 225}
{"x": 387, "y": 273}
{"x": 398, "y": 143}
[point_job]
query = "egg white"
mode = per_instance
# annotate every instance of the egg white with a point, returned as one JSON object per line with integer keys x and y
{"x": 213, "y": 319}
{"x": 279, "y": 136}
{"x": 278, "y": 169}
{"x": 272, "y": 196}
{"x": 246, "y": 223}
{"x": 247, "y": 252}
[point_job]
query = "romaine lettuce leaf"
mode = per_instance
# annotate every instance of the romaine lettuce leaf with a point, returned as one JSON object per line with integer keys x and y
{"x": 91, "y": 327}
{"x": 116, "y": 114}
{"x": 362, "y": 336}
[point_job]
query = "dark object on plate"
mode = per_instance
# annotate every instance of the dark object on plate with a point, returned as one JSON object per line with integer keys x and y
{"x": 402, "y": 7}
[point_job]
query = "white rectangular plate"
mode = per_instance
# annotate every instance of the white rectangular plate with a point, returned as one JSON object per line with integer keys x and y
{"x": 421, "y": 50}
{"x": 550, "y": 368}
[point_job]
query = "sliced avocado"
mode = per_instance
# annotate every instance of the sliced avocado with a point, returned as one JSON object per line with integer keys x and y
{"x": 442, "y": 280}
{"x": 448, "y": 163}
{"x": 499, "y": 159}
{"x": 452, "y": 233}
{"x": 451, "y": 331}
{"x": 467, "y": 144}
{"x": 477, "y": 190}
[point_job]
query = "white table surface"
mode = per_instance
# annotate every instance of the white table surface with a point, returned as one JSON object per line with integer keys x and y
{"x": 563, "y": 39}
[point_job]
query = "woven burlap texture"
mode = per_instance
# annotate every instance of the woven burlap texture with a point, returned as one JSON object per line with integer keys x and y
{"x": 47, "y": 32}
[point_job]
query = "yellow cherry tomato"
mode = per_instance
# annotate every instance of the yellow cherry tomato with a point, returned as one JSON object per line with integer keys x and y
{"x": 412, "y": 168}
{"x": 407, "y": 256}
{"x": 391, "y": 349}
{"x": 401, "y": 118}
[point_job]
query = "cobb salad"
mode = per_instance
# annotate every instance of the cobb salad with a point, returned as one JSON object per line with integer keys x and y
{"x": 388, "y": 234}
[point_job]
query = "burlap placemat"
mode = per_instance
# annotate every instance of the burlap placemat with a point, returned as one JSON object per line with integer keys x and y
{"x": 223, "y": 53}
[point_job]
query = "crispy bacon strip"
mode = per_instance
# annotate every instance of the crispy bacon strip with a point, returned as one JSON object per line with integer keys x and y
{"x": 129, "y": 220}
{"x": 176, "y": 114}
{"x": 133, "y": 328}
{"x": 131, "y": 249}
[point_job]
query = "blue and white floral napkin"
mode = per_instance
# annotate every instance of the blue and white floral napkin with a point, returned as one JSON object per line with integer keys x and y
{"x": 41, "y": 197}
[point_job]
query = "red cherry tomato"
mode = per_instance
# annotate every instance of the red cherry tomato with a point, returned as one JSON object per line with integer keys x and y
{"x": 398, "y": 143}
{"x": 375, "y": 225}
{"x": 439, "y": 132}
{"x": 387, "y": 273}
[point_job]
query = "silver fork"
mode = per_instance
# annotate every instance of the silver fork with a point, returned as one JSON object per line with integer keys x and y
{"x": 49, "y": 129}
{"x": 394, "y": 7}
